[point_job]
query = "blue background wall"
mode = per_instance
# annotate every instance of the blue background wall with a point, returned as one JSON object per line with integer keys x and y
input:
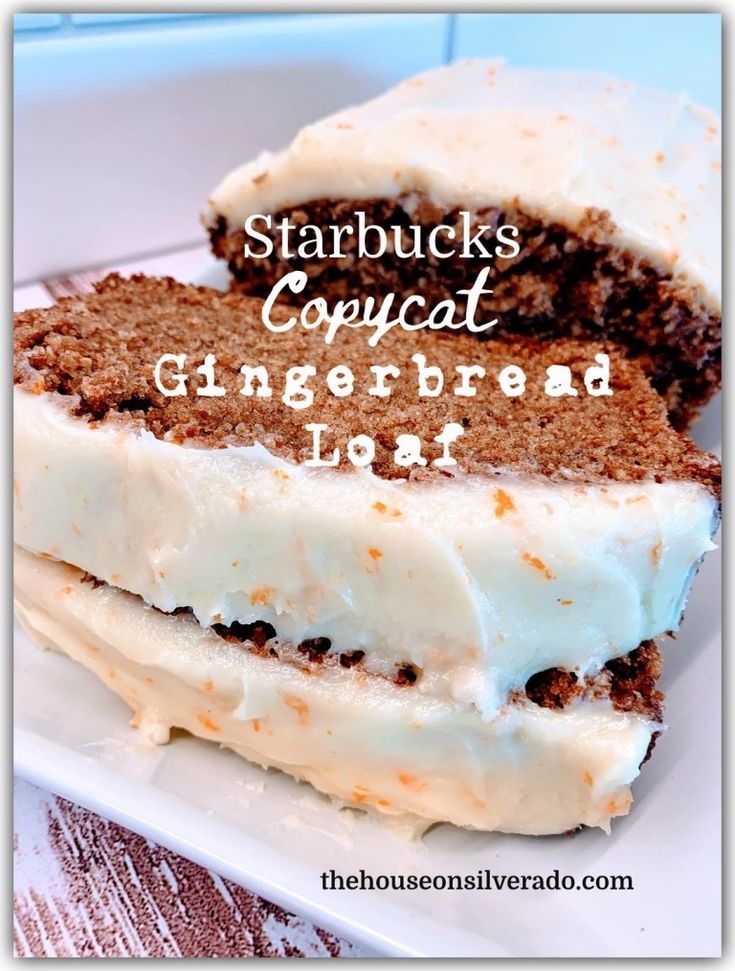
{"x": 676, "y": 51}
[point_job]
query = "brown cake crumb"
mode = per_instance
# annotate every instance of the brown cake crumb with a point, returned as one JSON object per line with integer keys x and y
{"x": 564, "y": 283}
{"x": 553, "y": 688}
{"x": 257, "y": 633}
{"x": 95, "y": 581}
{"x": 350, "y": 658}
{"x": 649, "y": 751}
{"x": 315, "y": 649}
{"x": 628, "y": 681}
{"x": 406, "y": 675}
{"x": 632, "y": 681}
{"x": 97, "y": 354}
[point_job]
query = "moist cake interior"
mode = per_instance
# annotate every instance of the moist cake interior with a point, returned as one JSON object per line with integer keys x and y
{"x": 68, "y": 349}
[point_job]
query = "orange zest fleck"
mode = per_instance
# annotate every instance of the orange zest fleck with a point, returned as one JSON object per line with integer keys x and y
{"x": 659, "y": 158}
{"x": 629, "y": 502}
{"x": 410, "y": 781}
{"x": 39, "y": 386}
{"x": 242, "y": 500}
{"x": 280, "y": 474}
{"x": 588, "y": 780}
{"x": 256, "y": 725}
{"x": 503, "y": 503}
{"x": 566, "y": 603}
{"x": 207, "y": 722}
{"x": 383, "y": 802}
{"x": 538, "y": 564}
{"x": 234, "y": 563}
{"x": 208, "y": 686}
{"x": 261, "y": 596}
{"x": 656, "y": 554}
{"x": 382, "y": 508}
{"x": 297, "y": 704}
{"x": 375, "y": 553}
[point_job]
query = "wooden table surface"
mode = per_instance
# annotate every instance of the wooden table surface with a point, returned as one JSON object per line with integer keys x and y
{"x": 86, "y": 887}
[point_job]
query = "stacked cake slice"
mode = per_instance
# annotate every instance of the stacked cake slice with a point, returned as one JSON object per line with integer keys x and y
{"x": 614, "y": 191}
{"x": 467, "y": 640}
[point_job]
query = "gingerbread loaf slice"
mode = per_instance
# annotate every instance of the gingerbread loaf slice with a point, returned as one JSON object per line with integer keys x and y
{"x": 464, "y": 637}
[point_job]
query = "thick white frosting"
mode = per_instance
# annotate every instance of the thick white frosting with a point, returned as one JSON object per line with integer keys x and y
{"x": 359, "y": 738}
{"x": 444, "y": 575}
{"x": 479, "y": 133}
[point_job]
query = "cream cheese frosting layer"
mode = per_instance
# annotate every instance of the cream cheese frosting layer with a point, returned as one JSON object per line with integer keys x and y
{"x": 479, "y": 133}
{"x": 479, "y": 581}
{"x": 357, "y": 737}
